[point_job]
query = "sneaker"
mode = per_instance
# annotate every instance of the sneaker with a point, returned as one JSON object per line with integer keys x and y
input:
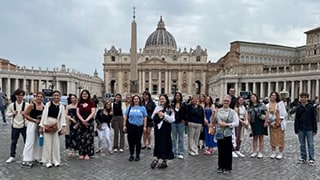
{"x": 260, "y": 155}
{"x": 26, "y": 164}
{"x": 57, "y": 165}
{"x": 110, "y": 151}
{"x": 120, "y": 150}
{"x": 137, "y": 158}
{"x": 10, "y": 160}
{"x": 180, "y": 156}
{"x": 226, "y": 172}
{"x": 311, "y": 162}
{"x": 48, "y": 165}
{"x": 143, "y": 147}
{"x": 301, "y": 161}
{"x": 5, "y": 123}
{"x": 234, "y": 154}
{"x": 149, "y": 147}
{"x": 279, "y": 156}
{"x": 115, "y": 150}
{"x": 219, "y": 170}
{"x": 273, "y": 155}
{"x": 192, "y": 153}
{"x": 253, "y": 155}
{"x": 240, "y": 154}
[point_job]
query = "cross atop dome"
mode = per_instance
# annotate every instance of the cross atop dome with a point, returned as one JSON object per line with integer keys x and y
{"x": 161, "y": 24}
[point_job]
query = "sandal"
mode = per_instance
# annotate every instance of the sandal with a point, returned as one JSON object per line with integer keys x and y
{"x": 163, "y": 165}
{"x": 154, "y": 163}
{"x": 81, "y": 157}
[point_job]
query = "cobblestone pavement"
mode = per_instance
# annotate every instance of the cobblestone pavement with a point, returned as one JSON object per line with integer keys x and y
{"x": 117, "y": 166}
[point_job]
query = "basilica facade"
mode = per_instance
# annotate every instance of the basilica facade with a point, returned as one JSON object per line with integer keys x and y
{"x": 158, "y": 68}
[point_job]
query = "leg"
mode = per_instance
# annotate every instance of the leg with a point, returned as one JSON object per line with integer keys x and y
{"x": 302, "y": 140}
{"x": 197, "y": 136}
{"x": 115, "y": 126}
{"x": 261, "y": 143}
{"x": 148, "y": 134}
{"x": 121, "y": 132}
{"x": 2, "y": 109}
{"x": 14, "y": 139}
{"x": 310, "y": 145}
{"x": 181, "y": 129}
{"x": 130, "y": 137}
{"x": 139, "y": 131}
{"x": 55, "y": 149}
{"x": 174, "y": 138}
{"x": 108, "y": 141}
{"x": 28, "y": 150}
{"x": 191, "y": 139}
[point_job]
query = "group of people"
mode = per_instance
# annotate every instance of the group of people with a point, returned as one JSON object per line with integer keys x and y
{"x": 223, "y": 128}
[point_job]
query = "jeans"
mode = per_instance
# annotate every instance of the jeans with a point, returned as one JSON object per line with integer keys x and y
{"x": 15, "y": 133}
{"x": 303, "y": 135}
{"x": 177, "y": 132}
{"x": 2, "y": 109}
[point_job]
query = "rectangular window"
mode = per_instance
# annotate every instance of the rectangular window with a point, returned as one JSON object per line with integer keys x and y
{"x": 174, "y": 89}
{"x": 113, "y": 58}
{"x": 198, "y": 58}
{"x": 113, "y": 74}
{"x": 154, "y": 74}
{"x": 154, "y": 89}
{"x": 174, "y": 74}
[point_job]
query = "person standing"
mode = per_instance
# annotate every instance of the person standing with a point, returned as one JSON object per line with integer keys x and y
{"x": 226, "y": 119}
{"x": 178, "y": 126}
{"x": 231, "y": 93}
{"x": 103, "y": 119}
{"x": 305, "y": 126}
{"x": 52, "y": 124}
{"x": 117, "y": 123}
{"x": 86, "y": 110}
{"x": 72, "y": 126}
{"x": 195, "y": 120}
{"x": 258, "y": 116}
{"x": 243, "y": 123}
{"x": 163, "y": 116}
{"x": 210, "y": 112}
{"x": 16, "y": 111}
{"x": 277, "y": 114}
{"x": 150, "y": 105}
{"x": 135, "y": 123}
{"x": 3, "y": 107}
{"x": 31, "y": 151}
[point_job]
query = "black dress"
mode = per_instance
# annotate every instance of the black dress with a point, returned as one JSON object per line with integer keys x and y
{"x": 71, "y": 139}
{"x": 162, "y": 140}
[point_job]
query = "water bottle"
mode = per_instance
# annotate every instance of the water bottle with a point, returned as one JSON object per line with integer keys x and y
{"x": 41, "y": 140}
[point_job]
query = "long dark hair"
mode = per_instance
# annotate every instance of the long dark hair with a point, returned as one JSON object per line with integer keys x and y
{"x": 210, "y": 103}
{"x": 174, "y": 100}
{"x": 108, "y": 110}
{"x": 132, "y": 101}
{"x": 148, "y": 94}
{"x": 250, "y": 102}
{"x": 167, "y": 104}
{"x": 277, "y": 96}
{"x": 81, "y": 100}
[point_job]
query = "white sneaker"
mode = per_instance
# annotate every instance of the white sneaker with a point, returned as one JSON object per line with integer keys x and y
{"x": 11, "y": 159}
{"x": 240, "y": 154}
{"x": 279, "y": 156}
{"x": 234, "y": 154}
{"x": 180, "y": 157}
{"x": 260, "y": 155}
{"x": 273, "y": 155}
{"x": 115, "y": 150}
{"x": 253, "y": 155}
{"x": 120, "y": 150}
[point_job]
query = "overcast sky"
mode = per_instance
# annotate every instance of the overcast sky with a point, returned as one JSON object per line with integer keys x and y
{"x": 48, "y": 33}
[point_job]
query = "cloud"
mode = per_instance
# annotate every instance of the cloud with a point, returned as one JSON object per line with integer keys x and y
{"x": 75, "y": 32}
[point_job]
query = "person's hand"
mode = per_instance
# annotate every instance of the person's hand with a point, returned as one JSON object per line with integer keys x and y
{"x": 40, "y": 130}
{"x": 144, "y": 129}
{"x": 265, "y": 124}
{"x": 62, "y": 131}
{"x": 124, "y": 129}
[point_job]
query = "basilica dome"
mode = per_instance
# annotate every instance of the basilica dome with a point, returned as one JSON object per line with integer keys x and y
{"x": 161, "y": 38}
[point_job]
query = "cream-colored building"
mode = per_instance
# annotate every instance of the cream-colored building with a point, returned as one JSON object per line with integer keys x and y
{"x": 160, "y": 67}
{"x": 33, "y": 80}
{"x": 262, "y": 68}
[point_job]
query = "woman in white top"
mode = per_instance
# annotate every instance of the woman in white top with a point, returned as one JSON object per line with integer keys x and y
{"x": 243, "y": 123}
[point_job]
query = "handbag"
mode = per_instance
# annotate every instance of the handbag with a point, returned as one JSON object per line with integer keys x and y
{"x": 212, "y": 130}
{"x": 52, "y": 128}
{"x": 219, "y": 136}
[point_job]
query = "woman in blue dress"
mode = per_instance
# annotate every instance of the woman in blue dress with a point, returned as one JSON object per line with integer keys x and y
{"x": 209, "y": 111}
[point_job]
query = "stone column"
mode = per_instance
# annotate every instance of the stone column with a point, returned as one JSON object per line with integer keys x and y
{"x": 277, "y": 86}
{"x": 317, "y": 87}
{"x": 159, "y": 83}
{"x": 31, "y": 86}
{"x": 1, "y": 81}
{"x": 309, "y": 88}
{"x": 169, "y": 81}
{"x": 166, "y": 82}
{"x": 269, "y": 88}
{"x": 261, "y": 90}
{"x": 150, "y": 82}
{"x": 16, "y": 83}
{"x": 143, "y": 79}
{"x": 254, "y": 87}
{"x": 300, "y": 87}
{"x": 247, "y": 87}
{"x": 285, "y": 85}
{"x": 292, "y": 90}
{"x": 8, "y": 91}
